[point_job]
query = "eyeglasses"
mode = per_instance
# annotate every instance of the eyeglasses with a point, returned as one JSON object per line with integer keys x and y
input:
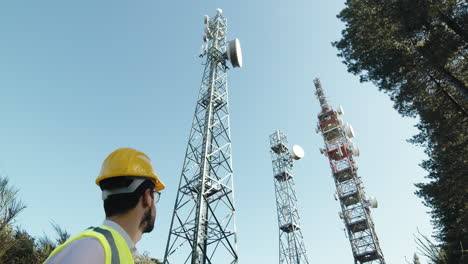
{"x": 157, "y": 195}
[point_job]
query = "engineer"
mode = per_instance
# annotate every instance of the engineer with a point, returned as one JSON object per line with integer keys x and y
{"x": 130, "y": 191}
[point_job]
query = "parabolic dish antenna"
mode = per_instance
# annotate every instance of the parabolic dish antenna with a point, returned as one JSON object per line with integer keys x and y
{"x": 219, "y": 11}
{"x": 297, "y": 152}
{"x": 234, "y": 53}
{"x": 354, "y": 149}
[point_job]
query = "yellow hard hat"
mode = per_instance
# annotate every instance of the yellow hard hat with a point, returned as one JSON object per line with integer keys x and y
{"x": 129, "y": 162}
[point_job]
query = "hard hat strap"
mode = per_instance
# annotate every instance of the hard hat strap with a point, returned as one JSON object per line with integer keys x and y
{"x": 129, "y": 189}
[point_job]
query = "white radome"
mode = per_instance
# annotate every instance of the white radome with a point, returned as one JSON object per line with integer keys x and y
{"x": 234, "y": 53}
{"x": 354, "y": 149}
{"x": 349, "y": 131}
{"x": 297, "y": 152}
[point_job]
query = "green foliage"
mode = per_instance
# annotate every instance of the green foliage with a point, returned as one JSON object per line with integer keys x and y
{"x": 416, "y": 51}
{"x": 16, "y": 245}
{"x": 22, "y": 250}
{"x": 388, "y": 41}
{"x": 10, "y": 206}
{"x": 427, "y": 248}
{"x": 146, "y": 259}
{"x": 44, "y": 246}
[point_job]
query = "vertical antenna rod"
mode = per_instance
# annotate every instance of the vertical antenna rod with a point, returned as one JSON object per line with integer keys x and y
{"x": 355, "y": 206}
{"x": 321, "y": 95}
{"x": 203, "y": 229}
{"x": 291, "y": 242}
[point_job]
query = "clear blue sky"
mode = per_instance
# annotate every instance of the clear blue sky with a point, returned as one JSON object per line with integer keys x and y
{"x": 79, "y": 79}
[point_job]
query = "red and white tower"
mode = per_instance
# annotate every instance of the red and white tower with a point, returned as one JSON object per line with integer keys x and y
{"x": 355, "y": 206}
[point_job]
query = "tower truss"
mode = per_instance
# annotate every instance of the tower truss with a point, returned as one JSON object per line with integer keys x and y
{"x": 291, "y": 242}
{"x": 355, "y": 206}
{"x": 203, "y": 229}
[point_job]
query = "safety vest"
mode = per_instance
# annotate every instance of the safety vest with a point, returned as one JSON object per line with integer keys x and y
{"x": 116, "y": 250}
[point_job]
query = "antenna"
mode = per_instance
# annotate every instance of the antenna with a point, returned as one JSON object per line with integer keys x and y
{"x": 202, "y": 51}
{"x": 297, "y": 152}
{"x": 321, "y": 95}
{"x": 234, "y": 53}
{"x": 341, "y": 153}
{"x": 291, "y": 242}
{"x": 340, "y": 110}
{"x": 203, "y": 228}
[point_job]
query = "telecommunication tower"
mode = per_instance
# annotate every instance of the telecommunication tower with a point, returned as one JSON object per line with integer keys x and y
{"x": 355, "y": 206}
{"x": 291, "y": 242}
{"x": 203, "y": 227}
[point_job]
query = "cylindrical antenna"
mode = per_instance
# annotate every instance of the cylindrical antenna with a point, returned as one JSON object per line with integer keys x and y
{"x": 321, "y": 95}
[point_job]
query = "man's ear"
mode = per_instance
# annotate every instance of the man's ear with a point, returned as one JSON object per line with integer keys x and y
{"x": 146, "y": 198}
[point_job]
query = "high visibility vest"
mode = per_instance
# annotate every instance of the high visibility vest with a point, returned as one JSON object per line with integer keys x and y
{"x": 116, "y": 250}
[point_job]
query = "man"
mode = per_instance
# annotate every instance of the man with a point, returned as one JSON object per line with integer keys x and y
{"x": 130, "y": 190}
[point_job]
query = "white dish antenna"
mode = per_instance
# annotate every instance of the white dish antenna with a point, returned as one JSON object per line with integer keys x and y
{"x": 340, "y": 110}
{"x": 234, "y": 53}
{"x": 373, "y": 202}
{"x": 354, "y": 149}
{"x": 297, "y": 152}
{"x": 206, "y": 19}
{"x": 349, "y": 131}
{"x": 219, "y": 11}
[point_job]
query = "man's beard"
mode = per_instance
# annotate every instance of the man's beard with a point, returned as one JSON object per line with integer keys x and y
{"x": 147, "y": 221}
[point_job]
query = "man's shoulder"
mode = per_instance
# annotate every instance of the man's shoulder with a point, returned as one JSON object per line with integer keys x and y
{"x": 83, "y": 250}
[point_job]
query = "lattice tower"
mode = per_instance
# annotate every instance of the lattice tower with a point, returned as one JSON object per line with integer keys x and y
{"x": 203, "y": 226}
{"x": 291, "y": 242}
{"x": 355, "y": 206}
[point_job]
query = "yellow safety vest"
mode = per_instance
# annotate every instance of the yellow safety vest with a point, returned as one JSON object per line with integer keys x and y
{"x": 116, "y": 250}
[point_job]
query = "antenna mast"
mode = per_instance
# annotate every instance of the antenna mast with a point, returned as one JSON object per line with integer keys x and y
{"x": 291, "y": 242}
{"x": 203, "y": 229}
{"x": 355, "y": 206}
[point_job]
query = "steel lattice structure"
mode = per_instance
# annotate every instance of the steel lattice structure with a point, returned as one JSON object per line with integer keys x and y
{"x": 203, "y": 226}
{"x": 291, "y": 243}
{"x": 355, "y": 207}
